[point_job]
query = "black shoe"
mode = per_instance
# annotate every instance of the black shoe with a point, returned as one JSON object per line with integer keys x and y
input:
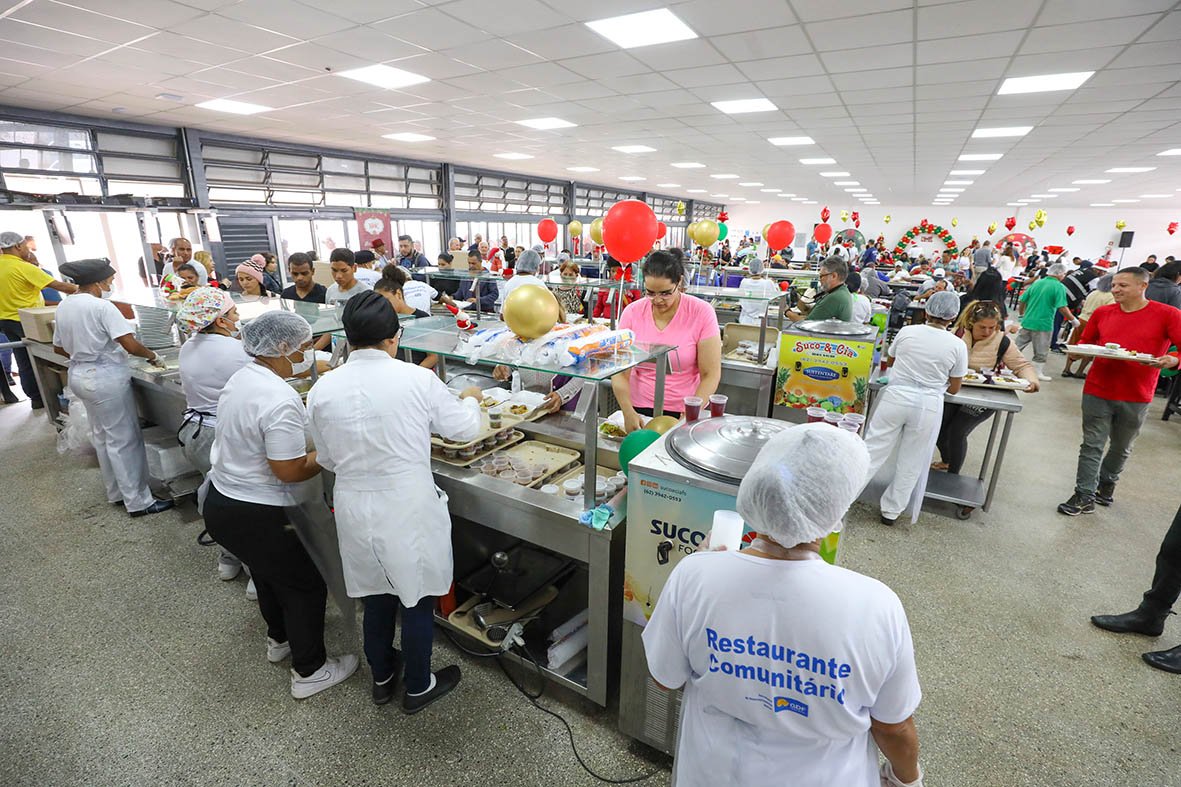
{"x": 1067, "y": 373}
{"x": 37, "y": 404}
{"x": 118, "y": 503}
{"x": 154, "y": 508}
{"x": 1105, "y": 494}
{"x": 886, "y": 521}
{"x": 446, "y": 679}
{"x": 1168, "y": 660}
{"x": 10, "y": 400}
{"x": 384, "y": 692}
{"x": 1077, "y": 504}
{"x": 1138, "y": 621}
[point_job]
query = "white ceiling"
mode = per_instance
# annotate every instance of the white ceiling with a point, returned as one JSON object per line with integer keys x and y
{"x": 892, "y": 89}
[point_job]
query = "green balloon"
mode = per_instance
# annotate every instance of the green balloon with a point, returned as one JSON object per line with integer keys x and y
{"x": 634, "y": 444}
{"x": 723, "y": 231}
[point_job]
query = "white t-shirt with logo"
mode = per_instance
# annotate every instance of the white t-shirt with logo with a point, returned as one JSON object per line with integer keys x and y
{"x": 419, "y": 294}
{"x": 784, "y": 663}
{"x": 207, "y": 362}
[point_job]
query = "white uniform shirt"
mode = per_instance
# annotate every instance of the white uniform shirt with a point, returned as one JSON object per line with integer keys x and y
{"x": 371, "y": 421}
{"x": 207, "y": 362}
{"x": 86, "y": 327}
{"x": 926, "y": 356}
{"x": 259, "y": 417}
{"x": 784, "y": 662}
{"x": 862, "y": 308}
{"x": 367, "y": 276}
{"x": 419, "y": 294}
{"x": 520, "y": 281}
{"x": 336, "y": 295}
{"x": 751, "y": 312}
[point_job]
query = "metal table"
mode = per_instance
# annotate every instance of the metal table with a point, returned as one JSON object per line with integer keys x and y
{"x": 965, "y": 491}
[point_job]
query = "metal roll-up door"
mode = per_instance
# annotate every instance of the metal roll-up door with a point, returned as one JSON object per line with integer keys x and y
{"x": 241, "y": 237}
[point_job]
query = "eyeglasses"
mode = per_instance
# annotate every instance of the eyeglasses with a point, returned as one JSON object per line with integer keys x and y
{"x": 663, "y": 294}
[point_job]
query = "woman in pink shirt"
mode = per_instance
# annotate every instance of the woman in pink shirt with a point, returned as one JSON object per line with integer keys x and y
{"x": 670, "y": 317}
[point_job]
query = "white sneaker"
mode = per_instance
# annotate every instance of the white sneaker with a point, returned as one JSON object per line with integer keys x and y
{"x": 334, "y": 671}
{"x": 277, "y": 651}
{"x": 227, "y": 571}
{"x": 1041, "y": 372}
{"x": 251, "y": 591}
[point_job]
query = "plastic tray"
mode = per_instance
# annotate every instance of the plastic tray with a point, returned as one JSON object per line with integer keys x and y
{"x": 459, "y": 461}
{"x": 576, "y": 472}
{"x": 1094, "y": 351}
{"x": 980, "y": 383}
{"x": 554, "y": 458}
{"x": 507, "y": 421}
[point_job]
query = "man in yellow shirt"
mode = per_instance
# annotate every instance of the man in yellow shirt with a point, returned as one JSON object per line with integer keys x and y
{"x": 20, "y": 288}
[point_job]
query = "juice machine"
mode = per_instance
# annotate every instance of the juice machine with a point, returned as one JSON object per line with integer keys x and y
{"x": 825, "y": 364}
{"x": 674, "y": 487}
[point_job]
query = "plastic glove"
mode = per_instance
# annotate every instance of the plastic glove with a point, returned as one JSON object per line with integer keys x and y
{"x": 890, "y": 780}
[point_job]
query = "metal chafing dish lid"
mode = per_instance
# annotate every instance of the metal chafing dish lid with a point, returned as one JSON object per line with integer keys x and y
{"x": 722, "y": 448}
{"x": 833, "y": 328}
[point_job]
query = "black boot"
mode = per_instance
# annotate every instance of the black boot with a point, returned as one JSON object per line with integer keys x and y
{"x": 1168, "y": 660}
{"x": 1150, "y": 623}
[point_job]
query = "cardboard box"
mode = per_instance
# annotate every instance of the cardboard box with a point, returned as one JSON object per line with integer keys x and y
{"x": 38, "y": 322}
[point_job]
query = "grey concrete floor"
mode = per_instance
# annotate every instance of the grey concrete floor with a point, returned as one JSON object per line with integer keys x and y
{"x": 127, "y": 662}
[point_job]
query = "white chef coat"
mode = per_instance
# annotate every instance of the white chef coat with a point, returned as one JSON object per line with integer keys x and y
{"x": 371, "y": 421}
{"x": 831, "y": 650}
{"x": 86, "y": 327}
{"x": 207, "y": 362}
{"x": 259, "y": 417}
{"x": 336, "y": 295}
{"x": 419, "y": 294}
{"x": 926, "y": 356}
{"x": 751, "y": 312}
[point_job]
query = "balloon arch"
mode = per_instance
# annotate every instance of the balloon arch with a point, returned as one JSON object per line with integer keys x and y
{"x": 925, "y": 227}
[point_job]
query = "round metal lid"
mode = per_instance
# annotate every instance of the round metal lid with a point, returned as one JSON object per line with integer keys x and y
{"x": 833, "y": 328}
{"x": 722, "y": 448}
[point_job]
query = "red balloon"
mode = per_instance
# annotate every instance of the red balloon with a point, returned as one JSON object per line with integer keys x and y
{"x": 824, "y": 214}
{"x": 822, "y": 233}
{"x": 780, "y": 234}
{"x": 547, "y": 230}
{"x": 661, "y": 230}
{"x": 629, "y": 230}
{"x": 1010, "y": 223}
{"x": 1070, "y": 230}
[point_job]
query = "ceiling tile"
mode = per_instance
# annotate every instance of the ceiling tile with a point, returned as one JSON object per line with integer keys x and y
{"x": 492, "y": 55}
{"x": 70, "y": 19}
{"x": 1058, "y": 62}
{"x": 177, "y": 45}
{"x": 23, "y": 34}
{"x": 709, "y": 17}
{"x": 429, "y": 28}
{"x": 884, "y": 57}
{"x": 761, "y": 44}
{"x": 894, "y": 27}
{"x": 1167, "y": 29}
{"x": 222, "y": 31}
{"x": 706, "y": 75}
{"x": 510, "y": 18}
{"x": 611, "y": 64}
{"x": 287, "y": 17}
{"x": 678, "y": 54}
{"x": 978, "y": 47}
{"x": 366, "y": 11}
{"x": 817, "y": 10}
{"x": 1065, "y": 11}
{"x": 1083, "y": 35}
{"x": 781, "y": 67}
{"x": 795, "y": 87}
{"x": 160, "y": 14}
{"x": 953, "y": 19}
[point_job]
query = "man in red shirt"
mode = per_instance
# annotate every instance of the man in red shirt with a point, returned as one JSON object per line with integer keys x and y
{"x": 1117, "y": 393}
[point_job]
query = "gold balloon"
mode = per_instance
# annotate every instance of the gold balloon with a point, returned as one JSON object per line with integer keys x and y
{"x": 596, "y": 230}
{"x": 707, "y": 232}
{"x": 575, "y": 228}
{"x": 531, "y": 311}
{"x": 1032, "y": 225}
{"x": 886, "y": 218}
{"x": 1119, "y": 225}
{"x": 766, "y": 227}
{"x": 661, "y": 423}
{"x": 954, "y": 221}
{"x": 844, "y": 215}
{"x": 691, "y": 231}
{"x": 680, "y": 209}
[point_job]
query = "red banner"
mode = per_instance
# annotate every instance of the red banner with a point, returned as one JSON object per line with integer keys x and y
{"x": 374, "y": 225}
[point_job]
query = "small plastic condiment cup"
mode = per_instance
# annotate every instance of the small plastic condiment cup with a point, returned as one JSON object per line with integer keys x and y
{"x": 572, "y": 487}
{"x": 832, "y": 418}
{"x": 494, "y": 418}
{"x": 549, "y": 489}
{"x": 537, "y": 471}
{"x": 717, "y": 405}
{"x": 621, "y": 477}
{"x": 524, "y": 477}
{"x": 508, "y": 475}
{"x": 489, "y": 470}
{"x": 500, "y": 462}
{"x": 692, "y": 408}
{"x": 600, "y": 486}
{"x": 849, "y": 426}
{"x": 853, "y": 418}
{"x": 815, "y": 415}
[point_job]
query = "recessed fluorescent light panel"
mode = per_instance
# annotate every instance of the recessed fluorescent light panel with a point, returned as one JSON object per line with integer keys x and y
{"x": 725, "y": 176}
{"x": 834, "y": 174}
{"x": 696, "y": 191}
{"x": 687, "y": 165}
{"x": 856, "y": 190}
{"x": 1045, "y": 196}
{"x": 787, "y": 141}
{"x": 634, "y": 149}
{"x": 750, "y": 183}
{"x": 966, "y": 172}
{"x": 643, "y": 29}
{"x": 384, "y": 76}
{"x": 1102, "y": 204}
{"x": 632, "y": 177}
{"x": 546, "y": 124}
{"x": 513, "y": 156}
{"x": 980, "y": 156}
{"x": 958, "y": 182}
{"x": 821, "y": 160}
{"x": 1044, "y": 83}
{"x": 769, "y": 191}
{"x": 1090, "y": 182}
{"x": 582, "y": 169}
{"x": 1063, "y": 190}
{"x": 1130, "y": 169}
{"x": 846, "y": 183}
{"x": 1001, "y": 131}
{"x": 1155, "y": 196}
{"x": 723, "y": 196}
{"x": 1125, "y": 201}
{"x": 668, "y": 185}
{"x": 408, "y": 136}
{"x": 743, "y": 106}
{"x": 1169, "y": 152}
{"x": 233, "y": 107}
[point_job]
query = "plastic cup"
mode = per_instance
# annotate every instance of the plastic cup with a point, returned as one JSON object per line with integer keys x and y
{"x": 524, "y": 477}
{"x": 550, "y": 489}
{"x": 853, "y": 418}
{"x": 832, "y": 418}
{"x": 508, "y": 475}
{"x": 849, "y": 426}
{"x": 717, "y": 405}
{"x": 494, "y": 419}
{"x": 692, "y": 408}
{"x": 489, "y": 470}
{"x": 500, "y": 462}
{"x": 572, "y": 487}
{"x": 815, "y": 415}
{"x": 727, "y": 530}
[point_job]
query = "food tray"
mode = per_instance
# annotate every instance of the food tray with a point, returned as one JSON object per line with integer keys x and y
{"x": 1096, "y": 351}
{"x": 576, "y": 472}
{"x": 554, "y": 458}
{"x": 1008, "y": 381}
{"x": 459, "y": 461}
{"x": 606, "y": 436}
{"x": 733, "y": 333}
{"x": 507, "y": 421}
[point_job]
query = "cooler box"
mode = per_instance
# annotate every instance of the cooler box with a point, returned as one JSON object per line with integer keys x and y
{"x": 37, "y": 322}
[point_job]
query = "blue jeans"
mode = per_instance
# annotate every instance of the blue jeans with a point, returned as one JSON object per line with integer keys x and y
{"x": 418, "y": 633}
{"x": 5, "y": 356}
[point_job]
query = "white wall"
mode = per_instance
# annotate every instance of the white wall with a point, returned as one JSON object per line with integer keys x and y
{"x": 1094, "y": 227}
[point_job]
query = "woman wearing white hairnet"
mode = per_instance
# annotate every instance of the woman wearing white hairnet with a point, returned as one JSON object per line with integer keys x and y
{"x": 789, "y": 664}
{"x": 927, "y": 361}
{"x": 526, "y": 273}
{"x": 259, "y": 459}
{"x": 754, "y": 288}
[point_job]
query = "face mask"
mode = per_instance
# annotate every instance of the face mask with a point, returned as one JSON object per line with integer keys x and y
{"x": 309, "y": 357}
{"x": 107, "y": 294}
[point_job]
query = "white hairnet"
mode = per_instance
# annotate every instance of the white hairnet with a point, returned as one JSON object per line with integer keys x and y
{"x": 943, "y": 305}
{"x": 528, "y": 262}
{"x": 1103, "y": 283}
{"x": 275, "y": 334}
{"x": 803, "y": 482}
{"x": 756, "y": 265}
{"x": 1057, "y": 269}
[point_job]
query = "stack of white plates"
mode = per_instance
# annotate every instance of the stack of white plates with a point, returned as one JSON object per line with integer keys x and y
{"x": 156, "y": 327}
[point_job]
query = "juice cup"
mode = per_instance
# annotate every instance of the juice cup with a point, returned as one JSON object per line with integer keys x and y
{"x": 832, "y": 418}
{"x": 815, "y": 415}
{"x": 717, "y": 405}
{"x": 692, "y": 408}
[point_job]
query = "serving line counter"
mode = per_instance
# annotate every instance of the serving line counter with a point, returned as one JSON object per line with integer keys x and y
{"x": 969, "y": 492}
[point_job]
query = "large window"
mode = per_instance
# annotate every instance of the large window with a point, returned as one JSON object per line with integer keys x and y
{"x": 706, "y": 210}
{"x": 477, "y": 192}
{"x": 592, "y": 202}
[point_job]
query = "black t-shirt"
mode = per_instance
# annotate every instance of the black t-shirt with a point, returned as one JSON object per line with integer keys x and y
{"x": 317, "y": 295}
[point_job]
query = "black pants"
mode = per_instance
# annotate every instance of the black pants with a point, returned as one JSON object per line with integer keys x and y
{"x": 958, "y": 423}
{"x": 1166, "y": 582}
{"x": 418, "y": 635}
{"x": 291, "y": 592}
{"x": 13, "y": 330}
{"x": 650, "y": 411}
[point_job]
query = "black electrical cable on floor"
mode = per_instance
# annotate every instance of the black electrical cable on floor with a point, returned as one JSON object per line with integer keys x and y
{"x": 533, "y": 700}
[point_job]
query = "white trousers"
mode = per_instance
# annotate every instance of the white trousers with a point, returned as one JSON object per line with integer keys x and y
{"x": 105, "y": 391}
{"x": 905, "y": 424}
